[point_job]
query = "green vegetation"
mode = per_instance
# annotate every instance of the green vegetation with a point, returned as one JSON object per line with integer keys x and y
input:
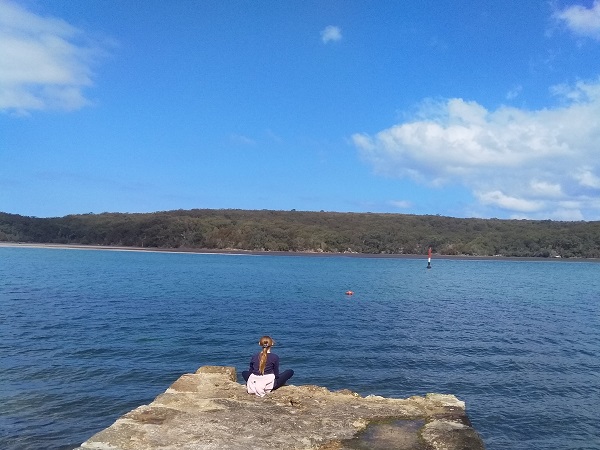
{"x": 299, "y": 231}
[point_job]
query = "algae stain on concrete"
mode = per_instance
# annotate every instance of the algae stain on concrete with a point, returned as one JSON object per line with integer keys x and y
{"x": 388, "y": 435}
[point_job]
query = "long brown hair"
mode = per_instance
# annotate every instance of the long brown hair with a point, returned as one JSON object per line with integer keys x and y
{"x": 266, "y": 343}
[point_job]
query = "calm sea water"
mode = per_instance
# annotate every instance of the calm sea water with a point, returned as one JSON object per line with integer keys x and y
{"x": 89, "y": 335}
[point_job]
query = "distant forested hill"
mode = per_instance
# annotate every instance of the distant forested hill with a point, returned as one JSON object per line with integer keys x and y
{"x": 311, "y": 231}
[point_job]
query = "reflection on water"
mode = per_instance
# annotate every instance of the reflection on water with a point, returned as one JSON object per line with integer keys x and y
{"x": 389, "y": 435}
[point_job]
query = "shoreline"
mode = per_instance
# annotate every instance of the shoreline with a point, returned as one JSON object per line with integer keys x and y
{"x": 283, "y": 253}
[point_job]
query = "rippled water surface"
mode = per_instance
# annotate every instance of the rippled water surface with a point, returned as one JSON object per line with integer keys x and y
{"x": 89, "y": 335}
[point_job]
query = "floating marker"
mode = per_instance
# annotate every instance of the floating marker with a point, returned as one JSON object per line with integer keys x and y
{"x": 429, "y": 258}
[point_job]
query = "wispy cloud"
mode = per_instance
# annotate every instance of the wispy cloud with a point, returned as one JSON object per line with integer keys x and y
{"x": 542, "y": 163}
{"x": 514, "y": 92}
{"x": 581, "y": 20}
{"x": 240, "y": 139}
{"x": 401, "y": 204}
{"x": 45, "y": 63}
{"x": 331, "y": 34}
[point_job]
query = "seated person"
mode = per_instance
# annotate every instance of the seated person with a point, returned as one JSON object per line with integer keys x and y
{"x": 263, "y": 375}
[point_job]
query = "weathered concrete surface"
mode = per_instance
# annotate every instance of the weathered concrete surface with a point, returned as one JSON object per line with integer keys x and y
{"x": 210, "y": 410}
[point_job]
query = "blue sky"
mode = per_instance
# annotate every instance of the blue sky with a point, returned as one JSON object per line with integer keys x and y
{"x": 464, "y": 108}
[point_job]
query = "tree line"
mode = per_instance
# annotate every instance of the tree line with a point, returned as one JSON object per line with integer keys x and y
{"x": 304, "y": 231}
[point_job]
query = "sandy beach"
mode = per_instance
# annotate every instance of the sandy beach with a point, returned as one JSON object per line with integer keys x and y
{"x": 277, "y": 253}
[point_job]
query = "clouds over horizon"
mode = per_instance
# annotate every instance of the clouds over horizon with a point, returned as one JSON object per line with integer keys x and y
{"x": 532, "y": 164}
{"x": 45, "y": 63}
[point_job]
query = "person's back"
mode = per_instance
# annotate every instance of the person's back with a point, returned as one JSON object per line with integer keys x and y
{"x": 271, "y": 365}
{"x": 263, "y": 374}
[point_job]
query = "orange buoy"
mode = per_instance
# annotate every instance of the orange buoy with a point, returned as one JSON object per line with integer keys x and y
{"x": 349, "y": 293}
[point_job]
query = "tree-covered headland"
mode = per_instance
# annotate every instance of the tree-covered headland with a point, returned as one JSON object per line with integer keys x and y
{"x": 301, "y": 231}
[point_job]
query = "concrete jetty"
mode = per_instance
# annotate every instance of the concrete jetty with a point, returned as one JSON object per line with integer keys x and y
{"x": 211, "y": 410}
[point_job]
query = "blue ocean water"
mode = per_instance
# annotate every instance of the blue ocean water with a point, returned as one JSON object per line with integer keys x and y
{"x": 89, "y": 335}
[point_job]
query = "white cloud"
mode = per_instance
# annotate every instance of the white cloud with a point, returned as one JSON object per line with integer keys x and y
{"x": 331, "y": 34}
{"x": 518, "y": 160}
{"x": 498, "y": 198}
{"x": 514, "y": 92}
{"x": 587, "y": 178}
{"x": 581, "y": 20}
{"x": 44, "y": 62}
{"x": 546, "y": 189}
{"x": 401, "y": 204}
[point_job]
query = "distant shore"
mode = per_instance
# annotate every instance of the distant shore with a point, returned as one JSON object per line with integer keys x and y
{"x": 280, "y": 253}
